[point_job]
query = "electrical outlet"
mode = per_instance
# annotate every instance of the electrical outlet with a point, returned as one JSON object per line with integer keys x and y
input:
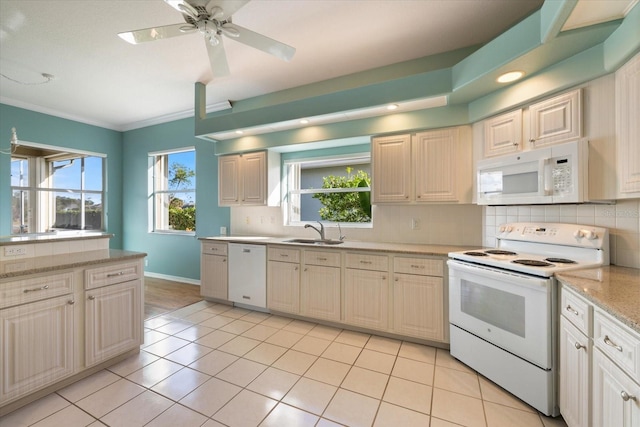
{"x": 223, "y": 231}
{"x": 415, "y": 224}
{"x": 14, "y": 250}
{"x": 247, "y": 220}
{"x": 146, "y": 262}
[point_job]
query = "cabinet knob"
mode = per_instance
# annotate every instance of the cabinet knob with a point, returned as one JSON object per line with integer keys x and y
{"x": 578, "y": 346}
{"x": 626, "y": 396}
{"x": 91, "y": 298}
{"x": 515, "y": 144}
{"x": 71, "y": 302}
{"x": 532, "y": 140}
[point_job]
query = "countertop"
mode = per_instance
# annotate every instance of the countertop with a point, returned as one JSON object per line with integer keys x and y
{"x": 406, "y": 248}
{"x": 52, "y": 237}
{"x": 614, "y": 289}
{"x": 25, "y": 266}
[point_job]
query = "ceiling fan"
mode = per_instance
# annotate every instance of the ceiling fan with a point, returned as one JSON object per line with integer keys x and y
{"x": 212, "y": 19}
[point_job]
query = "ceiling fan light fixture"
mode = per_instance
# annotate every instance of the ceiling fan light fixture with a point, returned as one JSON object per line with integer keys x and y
{"x": 509, "y": 77}
{"x": 187, "y": 9}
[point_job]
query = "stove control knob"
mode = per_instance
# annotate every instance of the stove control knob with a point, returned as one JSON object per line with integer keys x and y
{"x": 588, "y": 234}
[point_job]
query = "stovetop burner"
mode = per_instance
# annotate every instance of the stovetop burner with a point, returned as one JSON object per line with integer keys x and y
{"x": 561, "y": 260}
{"x": 473, "y": 253}
{"x": 532, "y": 263}
{"x": 500, "y": 252}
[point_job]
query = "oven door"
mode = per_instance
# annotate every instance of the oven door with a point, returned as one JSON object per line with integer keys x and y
{"x": 510, "y": 310}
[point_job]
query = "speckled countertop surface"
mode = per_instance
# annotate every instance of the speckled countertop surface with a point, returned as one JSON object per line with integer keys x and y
{"x": 406, "y": 248}
{"x": 22, "y": 267}
{"x": 615, "y": 289}
{"x": 52, "y": 237}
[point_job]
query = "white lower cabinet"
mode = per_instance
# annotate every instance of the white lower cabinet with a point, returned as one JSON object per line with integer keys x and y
{"x": 213, "y": 271}
{"x": 37, "y": 345}
{"x": 616, "y": 397}
{"x": 418, "y": 306}
{"x": 283, "y": 280}
{"x": 599, "y": 377}
{"x": 575, "y": 362}
{"x": 366, "y": 298}
{"x": 320, "y": 291}
{"x": 112, "y": 320}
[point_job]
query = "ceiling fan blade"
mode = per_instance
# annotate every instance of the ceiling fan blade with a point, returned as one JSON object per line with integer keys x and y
{"x": 264, "y": 43}
{"x": 229, "y": 7}
{"x": 217, "y": 58}
{"x": 155, "y": 33}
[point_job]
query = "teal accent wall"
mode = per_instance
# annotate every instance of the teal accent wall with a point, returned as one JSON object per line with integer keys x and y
{"x": 45, "y": 129}
{"x": 169, "y": 254}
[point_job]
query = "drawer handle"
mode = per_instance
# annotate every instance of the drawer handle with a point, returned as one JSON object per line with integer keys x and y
{"x": 578, "y": 346}
{"x": 246, "y": 251}
{"x": 120, "y": 273}
{"x": 572, "y": 310}
{"x": 626, "y": 396}
{"x": 91, "y": 298}
{"x": 365, "y": 262}
{"x": 417, "y": 266}
{"x": 321, "y": 259}
{"x": 284, "y": 256}
{"x": 610, "y": 343}
{"x": 42, "y": 288}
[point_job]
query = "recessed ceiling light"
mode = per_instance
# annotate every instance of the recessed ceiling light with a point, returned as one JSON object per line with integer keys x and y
{"x": 239, "y": 132}
{"x": 391, "y": 107}
{"x": 304, "y": 121}
{"x": 511, "y": 76}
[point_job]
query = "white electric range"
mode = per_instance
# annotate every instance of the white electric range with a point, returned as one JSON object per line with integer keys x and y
{"x": 502, "y": 304}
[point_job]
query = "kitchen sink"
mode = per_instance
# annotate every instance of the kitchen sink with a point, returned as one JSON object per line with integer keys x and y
{"x": 315, "y": 241}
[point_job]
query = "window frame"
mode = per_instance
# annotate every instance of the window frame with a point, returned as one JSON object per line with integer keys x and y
{"x": 42, "y": 196}
{"x": 292, "y": 178}
{"x": 158, "y": 175}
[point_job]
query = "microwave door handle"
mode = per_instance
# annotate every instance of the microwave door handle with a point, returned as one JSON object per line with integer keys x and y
{"x": 545, "y": 178}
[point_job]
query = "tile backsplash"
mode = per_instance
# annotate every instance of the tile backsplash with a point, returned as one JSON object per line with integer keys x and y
{"x": 622, "y": 220}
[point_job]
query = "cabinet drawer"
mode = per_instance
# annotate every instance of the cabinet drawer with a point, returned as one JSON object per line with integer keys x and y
{"x": 35, "y": 288}
{"x": 576, "y": 310}
{"x": 284, "y": 255}
{"x": 420, "y": 266}
{"x": 367, "y": 262}
{"x": 617, "y": 342}
{"x": 331, "y": 259}
{"x": 210, "y": 248}
{"x": 119, "y": 273}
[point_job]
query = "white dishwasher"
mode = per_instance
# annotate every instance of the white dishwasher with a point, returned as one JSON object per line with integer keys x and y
{"x": 248, "y": 274}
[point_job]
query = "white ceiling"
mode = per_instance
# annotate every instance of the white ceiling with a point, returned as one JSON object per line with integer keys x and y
{"x": 100, "y": 79}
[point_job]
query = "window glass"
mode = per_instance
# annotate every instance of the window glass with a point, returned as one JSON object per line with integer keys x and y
{"x": 174, "y": 196}
{"x": 333, "y": 189}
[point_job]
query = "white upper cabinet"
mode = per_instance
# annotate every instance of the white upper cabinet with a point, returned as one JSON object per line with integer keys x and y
{"x": 556, "y": 120}
{"x": 503, "y": 134}
{"x": 628, "y": 128}
{"x": 431, "y": 166}
{"x": 391, "y": 157}
{"x": 249, "y": 179}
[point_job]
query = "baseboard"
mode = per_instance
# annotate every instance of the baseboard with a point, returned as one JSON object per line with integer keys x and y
{"x": 173, "y": 278}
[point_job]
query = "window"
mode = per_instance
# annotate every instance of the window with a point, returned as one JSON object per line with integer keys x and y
{"x": 334, "y": 189}
{"x": 173, "y": 191}
{"x": 56, "y": 190}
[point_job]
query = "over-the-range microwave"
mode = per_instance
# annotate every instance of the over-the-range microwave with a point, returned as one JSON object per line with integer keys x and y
{"x": 555, "y": 174}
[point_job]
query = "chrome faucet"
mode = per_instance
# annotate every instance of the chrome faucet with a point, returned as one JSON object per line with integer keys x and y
{"x": 321, "y": 231}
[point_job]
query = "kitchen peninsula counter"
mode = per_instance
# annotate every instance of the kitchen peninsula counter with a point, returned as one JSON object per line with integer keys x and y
{"x": 43, "y": 264}
{"x": 405, "y": 248}
{"x": 614, "y": 289}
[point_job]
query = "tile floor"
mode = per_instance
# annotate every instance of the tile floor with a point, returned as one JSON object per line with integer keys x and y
{"x": 213, "y": 365}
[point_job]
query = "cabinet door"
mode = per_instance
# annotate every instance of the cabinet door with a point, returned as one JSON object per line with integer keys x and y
{"x": 283, "y": 287}
{"x": 628, "y": 127}
{"x": 616, "y": 398}
{"x": 36, "y": 344}
{"x": 254, "y": 175}
{"x": 575, "y": 350}
{"x": 503, "y": 134}
{"x": 391, "y": 177}
{"x": 436, "y": 157}
{"x": 213, "y": 276}
{"x": 555, "y": 120}
{"x": 113, "y": 315}
{"x": 418, "y": 304}
{"x": 228, "y": 180}
{"x": 366, "y": 297}
{"x": 320, "y": 292}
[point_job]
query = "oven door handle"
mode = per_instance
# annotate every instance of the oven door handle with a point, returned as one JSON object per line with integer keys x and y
{"x": 496, "y": 274}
